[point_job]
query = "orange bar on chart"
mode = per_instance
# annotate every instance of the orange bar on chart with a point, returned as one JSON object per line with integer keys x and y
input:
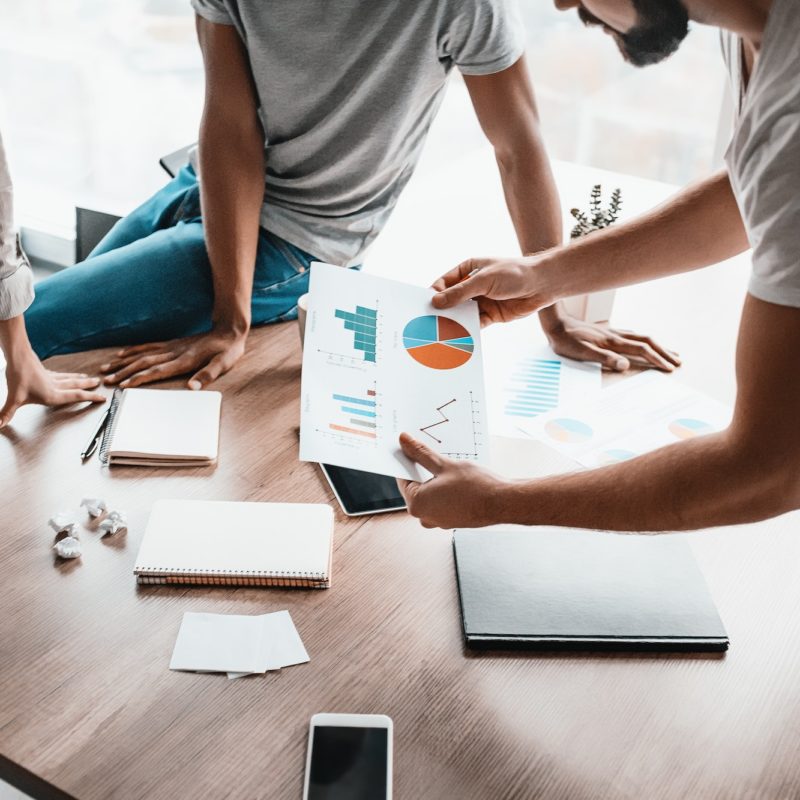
{"x": 344, "y": 429}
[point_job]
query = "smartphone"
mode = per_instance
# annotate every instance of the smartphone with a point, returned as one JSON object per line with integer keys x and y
{"x": 361, "y": 493}
{"x": 349, "y": 757}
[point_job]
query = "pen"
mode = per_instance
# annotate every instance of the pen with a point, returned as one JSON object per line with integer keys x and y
{"x": 98, "y": 431}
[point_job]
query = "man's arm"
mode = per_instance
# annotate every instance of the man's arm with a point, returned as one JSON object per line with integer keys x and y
{"x": 749, "y": 472}
{"x": 232, "y": 191}
{"x": 506, "y": 109}
{"x": 698, "y": 227}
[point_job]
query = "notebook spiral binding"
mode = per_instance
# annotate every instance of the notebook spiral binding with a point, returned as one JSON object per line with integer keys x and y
{"x": 154, "y": 576}
{"x": 108, "y": 433}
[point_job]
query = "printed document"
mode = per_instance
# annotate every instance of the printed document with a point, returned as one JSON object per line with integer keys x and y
{"x": 380, "y": 360}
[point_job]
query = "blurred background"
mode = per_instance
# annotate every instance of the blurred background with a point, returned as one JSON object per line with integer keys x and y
{"x": 93, "y": 92}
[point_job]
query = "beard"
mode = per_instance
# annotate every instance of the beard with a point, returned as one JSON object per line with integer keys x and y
{"x": 660, "y": 28}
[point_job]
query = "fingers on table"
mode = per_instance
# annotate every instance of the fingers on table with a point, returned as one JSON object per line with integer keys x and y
{"x": 74, "y": 381}
{"x": 135, "y": 349}
{"x": 65, "y": 397}
{"x": 159, "y": 372}
{"x": 669, "y": 355}
{"x": 642, "y": 352}
{"x": 8, "y": 411}
{"x": 123, "y": 369}
{"x": 65, "y": 375}
{"x": 608, "y": 359}
{"x": 218, "y": 365}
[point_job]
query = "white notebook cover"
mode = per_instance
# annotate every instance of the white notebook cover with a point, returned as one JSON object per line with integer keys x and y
{"x": 203, "y": 537}
{"x": 169, "y": 424}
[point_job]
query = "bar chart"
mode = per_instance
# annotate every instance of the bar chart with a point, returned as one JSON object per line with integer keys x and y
{"x": 359, "y": 415}
{"x": 363, "y": 323}
{"x": 534, "y": 387}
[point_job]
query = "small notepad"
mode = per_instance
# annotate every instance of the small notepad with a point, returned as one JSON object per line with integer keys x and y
{"x": 237, "y": 544}
{"x": 219, "y": 643}
{"x": 162, "y": 427}
{"x": 236, "y": 644}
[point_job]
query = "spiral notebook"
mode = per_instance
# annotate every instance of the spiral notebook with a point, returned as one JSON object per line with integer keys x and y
{"x": 237, "y": 544}
{"x": 162, "y": 428}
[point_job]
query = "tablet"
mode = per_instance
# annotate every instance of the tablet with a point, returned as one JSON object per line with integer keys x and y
{"x": 363, "y": 492}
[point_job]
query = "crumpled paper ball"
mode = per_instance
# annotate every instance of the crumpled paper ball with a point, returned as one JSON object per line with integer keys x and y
{"x": 63, "y": 521}
{"x": 68, "y": 547}
{"x": 115, "y": 522}
{"x": 95, "y": 506}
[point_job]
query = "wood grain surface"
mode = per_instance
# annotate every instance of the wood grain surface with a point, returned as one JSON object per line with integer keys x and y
{"x": 90, "y": 710}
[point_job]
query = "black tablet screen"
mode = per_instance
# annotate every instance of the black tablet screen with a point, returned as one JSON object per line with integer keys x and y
{"x": 364, "y": 492}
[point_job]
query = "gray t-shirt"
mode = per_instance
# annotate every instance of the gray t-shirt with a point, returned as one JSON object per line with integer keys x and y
{"x": 764, "y": 156}
{"x": 348, "y": 90}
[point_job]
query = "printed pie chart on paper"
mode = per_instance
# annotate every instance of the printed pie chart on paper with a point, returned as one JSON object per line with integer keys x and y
{"x": 438, "y": 342}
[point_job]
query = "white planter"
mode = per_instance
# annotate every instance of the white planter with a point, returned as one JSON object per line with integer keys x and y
{"x": 595, "y": 307}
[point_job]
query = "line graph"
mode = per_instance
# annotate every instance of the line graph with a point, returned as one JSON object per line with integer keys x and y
{"x": 456, "y": 430}
{"x": 442, "y": 421}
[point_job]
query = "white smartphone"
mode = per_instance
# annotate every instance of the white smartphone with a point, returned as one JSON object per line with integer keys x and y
{"x": 349, "y": 757}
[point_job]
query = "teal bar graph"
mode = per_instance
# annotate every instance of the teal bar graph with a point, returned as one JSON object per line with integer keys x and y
{"x": 363, "y": 322}
{"x": 534, "y": 388}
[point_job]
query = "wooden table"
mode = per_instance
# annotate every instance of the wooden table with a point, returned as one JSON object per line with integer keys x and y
{"x": 89, "y": 708}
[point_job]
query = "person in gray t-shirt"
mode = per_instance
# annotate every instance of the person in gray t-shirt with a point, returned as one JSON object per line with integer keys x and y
{"x": 750, "y": 471}
{"x": 315, "y": 116}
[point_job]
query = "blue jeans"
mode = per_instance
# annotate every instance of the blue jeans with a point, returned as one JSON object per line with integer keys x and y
{"x": 149, "y": 279}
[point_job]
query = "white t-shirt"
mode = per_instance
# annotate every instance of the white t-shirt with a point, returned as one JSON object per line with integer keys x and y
{"x": 764, "y": 155}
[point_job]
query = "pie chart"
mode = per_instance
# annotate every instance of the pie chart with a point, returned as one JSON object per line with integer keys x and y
{"x": 614, "y": 456}
{"x": 689, "y": 428}
{"x": 438, "y": 342}
{"x": 570, "y": 431}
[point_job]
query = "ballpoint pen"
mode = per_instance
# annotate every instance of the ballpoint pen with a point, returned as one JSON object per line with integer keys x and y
{"x": 91, "y": 446}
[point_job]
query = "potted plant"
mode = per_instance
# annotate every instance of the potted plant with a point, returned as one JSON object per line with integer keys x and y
{"x": 594, "y": 307}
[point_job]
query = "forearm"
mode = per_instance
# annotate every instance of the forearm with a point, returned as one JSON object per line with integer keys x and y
{"x": 13, "y": 337}
{"x": 531, "y": 194}
{"x": 696, "y": 484}
{"x": 749, "y": 472}
{"x": 533, "y": 202}
{"x": 232, "y": 191}
{"x": 698, "y": 227}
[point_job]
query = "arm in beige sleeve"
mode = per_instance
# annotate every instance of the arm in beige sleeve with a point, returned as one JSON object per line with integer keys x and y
{"x": 16, "y": 280}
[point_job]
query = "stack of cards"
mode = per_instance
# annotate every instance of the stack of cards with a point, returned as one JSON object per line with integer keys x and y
{"x": 238, "y": 645}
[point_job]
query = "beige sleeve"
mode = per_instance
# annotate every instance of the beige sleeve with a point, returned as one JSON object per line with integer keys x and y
{"x": 16, "y": 279}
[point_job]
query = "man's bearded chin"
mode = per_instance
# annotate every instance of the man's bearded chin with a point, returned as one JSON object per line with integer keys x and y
{"x": 660, "y": 28}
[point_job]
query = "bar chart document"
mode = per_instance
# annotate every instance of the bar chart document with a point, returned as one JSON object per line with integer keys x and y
{"x": 635, "y": 416}
{"x": 379, "y": 360}
{"x": 525, "y": 378}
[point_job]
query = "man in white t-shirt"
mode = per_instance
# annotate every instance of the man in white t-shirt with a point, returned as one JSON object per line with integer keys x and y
{"x": 752, "y": 470}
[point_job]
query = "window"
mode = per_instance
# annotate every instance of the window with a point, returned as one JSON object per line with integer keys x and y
{"x": 657, "y": 122}
{"x": 93, "y": 92}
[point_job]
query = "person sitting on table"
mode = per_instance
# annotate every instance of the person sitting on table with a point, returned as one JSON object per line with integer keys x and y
{"x": 28, "y": 381}
{"x": 752, "y": 470}
{"x": 315, "y": 116}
